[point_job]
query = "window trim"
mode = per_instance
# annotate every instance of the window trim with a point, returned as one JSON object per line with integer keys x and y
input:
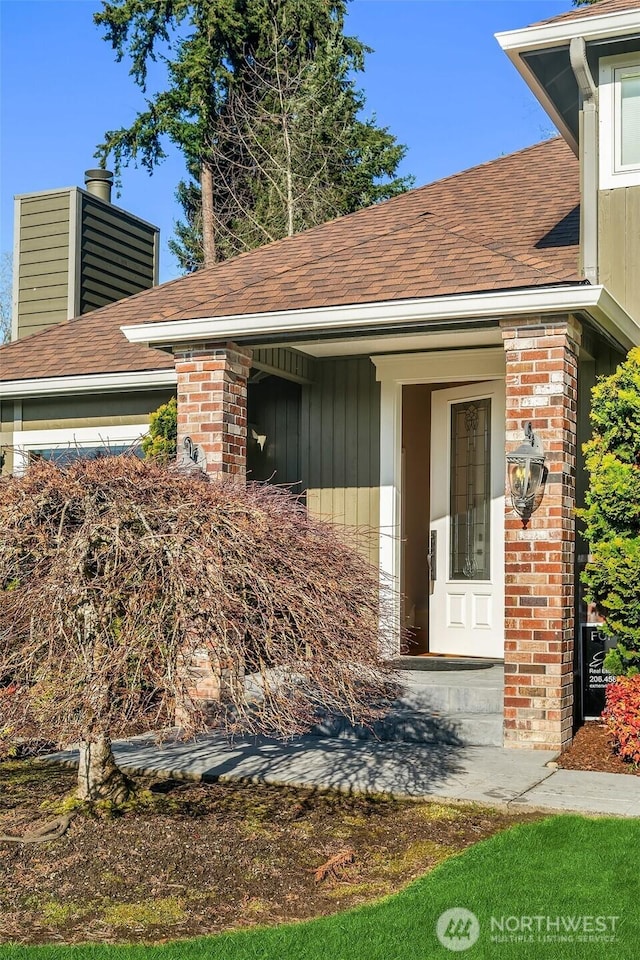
{"x": 612, "y": 174}
{"x": 24, "y": 441}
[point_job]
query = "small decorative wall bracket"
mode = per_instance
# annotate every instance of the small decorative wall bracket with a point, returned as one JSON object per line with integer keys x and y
{"x": 193, "y": 454}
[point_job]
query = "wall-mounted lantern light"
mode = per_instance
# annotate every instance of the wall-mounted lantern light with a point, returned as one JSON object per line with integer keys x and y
{"x": 526, "y": 475}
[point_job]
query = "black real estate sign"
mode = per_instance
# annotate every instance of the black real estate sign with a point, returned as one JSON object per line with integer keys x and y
{"x": 595, "y": 679}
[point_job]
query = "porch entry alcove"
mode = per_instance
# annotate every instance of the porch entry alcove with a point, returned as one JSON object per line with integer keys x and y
{"x": 442, "y": 484}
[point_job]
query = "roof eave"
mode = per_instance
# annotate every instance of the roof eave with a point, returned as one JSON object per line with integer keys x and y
{"x": 543, "y": 97}
{"x": 545, "y": 36}
{"x": 541, "y": 36}
{"x": 595, "y": 301}
{"x": 87, "y": 383}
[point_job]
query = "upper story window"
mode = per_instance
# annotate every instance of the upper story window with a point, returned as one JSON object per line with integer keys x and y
{"x": 620, "y": 121}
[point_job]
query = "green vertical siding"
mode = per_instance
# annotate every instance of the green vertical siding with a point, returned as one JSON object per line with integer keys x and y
{"x": 619, "y": 245}
{"x": 43, "y": 261}
{"x": 283, "y": 362}
{"x": 340, "y": 428}
{"x": 273, "y": 413}
{"x": 117, "y": 254}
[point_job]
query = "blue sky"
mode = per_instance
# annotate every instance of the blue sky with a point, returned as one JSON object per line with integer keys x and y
{"x": 437, "y": 79}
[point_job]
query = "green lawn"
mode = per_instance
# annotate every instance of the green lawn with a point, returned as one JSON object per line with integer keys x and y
{"x": 566, "y": 867}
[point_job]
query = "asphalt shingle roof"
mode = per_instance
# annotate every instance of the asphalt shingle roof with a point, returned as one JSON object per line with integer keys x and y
{"x": 594, "y": 10}
{"x": 510, "y": 223}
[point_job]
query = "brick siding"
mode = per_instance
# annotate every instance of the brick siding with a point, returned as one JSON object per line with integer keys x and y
{"x": 541, "y": 388}
{"x": 212, "y": 404}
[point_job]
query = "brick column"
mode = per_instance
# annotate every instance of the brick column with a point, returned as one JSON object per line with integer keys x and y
{"x": 541, "y": 386}
{"x": 212, "y": 404}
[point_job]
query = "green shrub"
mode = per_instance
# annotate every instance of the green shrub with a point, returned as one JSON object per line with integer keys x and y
{"x": 622, "y": 716}
{"x": 612, "y": 512}
{"x": 160, "y": 443}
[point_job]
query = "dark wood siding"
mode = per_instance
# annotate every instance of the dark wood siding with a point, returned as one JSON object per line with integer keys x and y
{"x": 117, "y": 254}
{"x": 273, "y": 442}
{"x": 340, "y": 463}
{"x": 290, "y": 364}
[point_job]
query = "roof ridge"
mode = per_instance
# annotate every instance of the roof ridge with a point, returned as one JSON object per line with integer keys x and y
{"x": 434, "y": 225}
{"x": 515, "y": 258}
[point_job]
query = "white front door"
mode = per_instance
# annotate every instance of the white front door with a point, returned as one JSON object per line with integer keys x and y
{"x": 466, "y": 605}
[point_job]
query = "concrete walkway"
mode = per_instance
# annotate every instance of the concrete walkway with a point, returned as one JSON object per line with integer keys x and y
{"x": 487, "y": 775}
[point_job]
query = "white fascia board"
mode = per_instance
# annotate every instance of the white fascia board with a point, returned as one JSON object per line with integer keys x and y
{"x": 592, "y": 27}
{"x": 90, "y": 383}
{"x": 611, "y": 317}
{"x": 461, "y": 308}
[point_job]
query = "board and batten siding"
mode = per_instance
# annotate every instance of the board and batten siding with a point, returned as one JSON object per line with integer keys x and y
{"x": 340, "y": 452}
{"x": 619, "y": 245}
{"x": 273, "y": 432}
{"x": 117, "y": 254}
{"x": 290, "y": 364}
{"x": 42, "y": 254}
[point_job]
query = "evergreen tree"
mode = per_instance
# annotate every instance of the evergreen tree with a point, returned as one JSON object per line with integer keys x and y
{"x": 612, "y": 512}
{"x": 260, "y": 99}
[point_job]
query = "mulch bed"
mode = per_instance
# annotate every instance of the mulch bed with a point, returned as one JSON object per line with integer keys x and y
{"x": 592, "y": 749}
{"x": 193, "y": 859}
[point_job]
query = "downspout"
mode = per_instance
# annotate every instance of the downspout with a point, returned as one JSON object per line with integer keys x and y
{"x": 589, "y": 158}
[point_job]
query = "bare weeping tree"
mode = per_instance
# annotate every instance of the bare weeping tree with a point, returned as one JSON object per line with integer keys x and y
{"x": 117, "y": 576}
{"x": 282, "y": 156}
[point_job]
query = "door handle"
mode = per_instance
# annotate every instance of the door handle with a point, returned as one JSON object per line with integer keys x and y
{"x": 432, "y": 556}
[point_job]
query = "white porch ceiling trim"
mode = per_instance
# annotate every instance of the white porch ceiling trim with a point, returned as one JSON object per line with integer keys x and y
{"x": 89, "y": 383}
{"x": 461, "y": 308}
{"x": 442, "y": 366}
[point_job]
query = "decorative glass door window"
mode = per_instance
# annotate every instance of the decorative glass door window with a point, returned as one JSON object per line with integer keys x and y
{"x": 470, "y": 509}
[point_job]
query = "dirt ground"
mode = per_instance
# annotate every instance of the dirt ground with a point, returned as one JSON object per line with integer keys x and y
{"x": 193, "y": 859}
{"x": 592, "y": 749}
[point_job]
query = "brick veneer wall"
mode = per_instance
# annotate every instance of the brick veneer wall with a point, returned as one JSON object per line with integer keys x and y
{"x": 212, "y": 411}
{"x": 212, "y": 403}
{"x": 541, "y": 388}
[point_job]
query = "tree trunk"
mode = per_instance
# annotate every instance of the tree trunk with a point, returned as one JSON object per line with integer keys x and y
{"x": 99, "y": 778}
{"x": 208, "y": 217}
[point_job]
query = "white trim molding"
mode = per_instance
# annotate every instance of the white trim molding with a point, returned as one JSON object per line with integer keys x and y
{"x": 25, "y": 441}
{"x": 612, "y": 172}
{"x": 88, "y": 383}
{"x": 592, "y": 26}
{"x": 458, "y": 309}
{"x": 442, "y": 366}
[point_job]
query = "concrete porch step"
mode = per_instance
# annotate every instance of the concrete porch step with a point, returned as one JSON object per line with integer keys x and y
{"x": 452, "y": 698}
{"x": 418, "y": 726}
{"x": 454, "y": 707}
